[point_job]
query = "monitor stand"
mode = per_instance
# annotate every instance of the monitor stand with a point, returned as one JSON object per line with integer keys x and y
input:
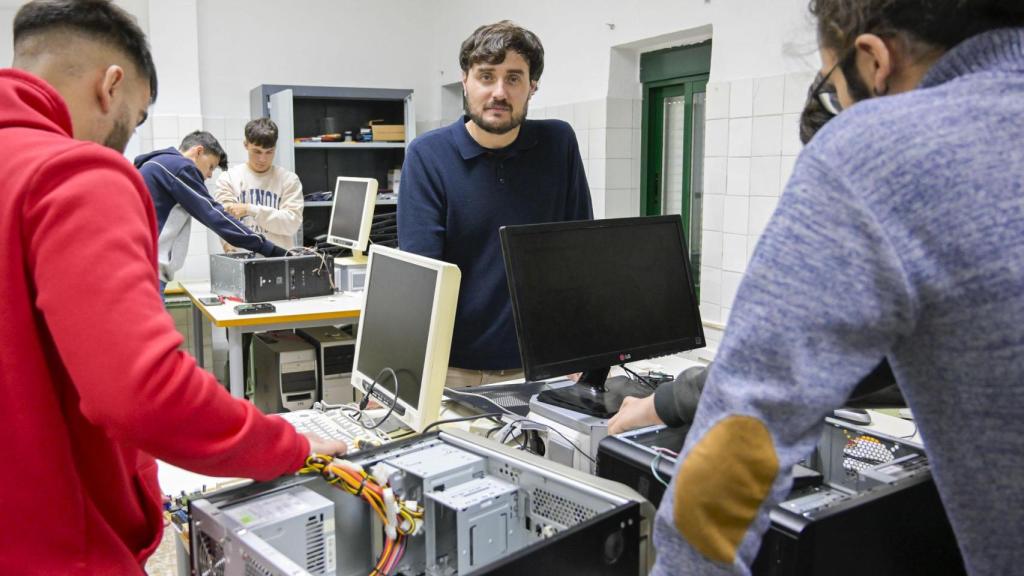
{"x": 595, "y": 394}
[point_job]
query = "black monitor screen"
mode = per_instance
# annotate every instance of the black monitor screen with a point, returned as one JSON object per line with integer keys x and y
{"x": 395, "y": 325}
{"x": 349, "y": 197}
{"x": 593, "y": 294}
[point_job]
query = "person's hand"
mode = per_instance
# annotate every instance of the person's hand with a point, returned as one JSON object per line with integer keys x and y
{"x": 238, "y": 211}
{"x": 634, "y": 413}
{"x": 228, "y": 248}
{"x": 575, "y": 376}
{"x": 318, "y": 445}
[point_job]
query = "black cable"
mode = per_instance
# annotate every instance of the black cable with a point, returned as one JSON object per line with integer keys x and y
{"x": 495, "y": 415}
{"x": 394, "y": 399}
{"x": 493, "y": 430}
{"x": 638, "y": 377}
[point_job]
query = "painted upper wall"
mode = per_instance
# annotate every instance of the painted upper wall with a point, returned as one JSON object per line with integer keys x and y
{"x": 752, "y": 38}
{"x": 245, "y": 43}
{"x": 415, "y": 44}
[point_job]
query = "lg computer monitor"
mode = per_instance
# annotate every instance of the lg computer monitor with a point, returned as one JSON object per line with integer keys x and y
{"x": 593, "y": 294}
{"x": 406, "y": 327}
{"x": 352, "y": 213}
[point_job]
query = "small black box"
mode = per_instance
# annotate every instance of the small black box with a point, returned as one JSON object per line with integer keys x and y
{"x": 255, "y": 278}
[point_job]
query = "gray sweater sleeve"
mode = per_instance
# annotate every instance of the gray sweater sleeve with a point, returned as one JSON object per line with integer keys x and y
{"x": 822, "y": 301}
{"x": 676, "y": 401}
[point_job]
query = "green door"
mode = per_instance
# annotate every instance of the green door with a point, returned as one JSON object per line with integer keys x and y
{"x": 673, "y": 155}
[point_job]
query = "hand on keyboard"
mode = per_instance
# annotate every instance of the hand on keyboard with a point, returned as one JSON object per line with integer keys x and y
{"x": 329, "y": 447}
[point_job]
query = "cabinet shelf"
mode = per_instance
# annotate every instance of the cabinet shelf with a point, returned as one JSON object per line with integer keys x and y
{"x": 349, "y": 145}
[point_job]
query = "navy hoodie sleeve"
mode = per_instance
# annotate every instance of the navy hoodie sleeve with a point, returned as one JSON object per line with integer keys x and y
{"x": 188, "y": 189}
{"x": 422, "y": 211}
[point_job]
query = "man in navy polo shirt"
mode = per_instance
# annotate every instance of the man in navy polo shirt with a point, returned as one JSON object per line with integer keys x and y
{"x": 489, "y": 169}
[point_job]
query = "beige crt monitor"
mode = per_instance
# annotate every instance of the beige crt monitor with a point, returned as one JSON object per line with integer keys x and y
{"x": 406, "y": 326}
{"x": 352, "y": 213}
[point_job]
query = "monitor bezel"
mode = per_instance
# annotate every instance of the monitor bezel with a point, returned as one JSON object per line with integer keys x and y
{"x": 366, "y": 219}
{"x": 435, "y": 362}
{"x": 531, "y": 366}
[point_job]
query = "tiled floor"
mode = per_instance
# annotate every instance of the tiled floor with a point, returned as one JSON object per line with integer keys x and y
{"x": 164, "y": 561}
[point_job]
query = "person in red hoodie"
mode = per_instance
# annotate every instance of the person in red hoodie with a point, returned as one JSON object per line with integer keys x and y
{"x": 92, "y": 384}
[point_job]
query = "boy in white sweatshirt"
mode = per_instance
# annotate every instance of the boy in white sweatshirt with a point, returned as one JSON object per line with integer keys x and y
{"x": 265, "y": 197}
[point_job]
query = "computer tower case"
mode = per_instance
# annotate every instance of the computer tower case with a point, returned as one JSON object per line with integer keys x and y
{"x": 335, "y": 352}
{"x": 861, "y": 504}
{"x": 255, "y": 278}
{"x": 283, "y": 369}
{"x": 487, "y": 509}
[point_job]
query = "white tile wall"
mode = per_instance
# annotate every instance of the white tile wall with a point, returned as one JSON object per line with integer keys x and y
{"x": 764, "y": 176}
{"x": 768, "y": 95}
{"x": 597, "y": 146}
{"x": 714, "y": 212}
{"x": 597, "y": 196}
{"x": 736, "y": 214}
{"x": 710, "y": 312}
{"x": 165, "y": 127}
{"x": 618, "y": 203}
{"x": 797, "y": 85}
{"x": 619, "y": 113}
{"x": 216, "y": 125}
{"x": 785, "y": 171}
{"x": 741, "y": 98}
{"x": 716, "y": 172}
{"x": 740, "y": 137}
{"x": 618, "y": 173}
{"x": 711, "y": 248}
{"x": 791, "y": 144}
{"x": 717, "y": 101}
{"x": 596, "y": 174}
{"x": 597, "y": 114}
{"x": 761, "y": 210}
{"x": 711, "y": 285}
{"x": 563, "y": 112}
{"x": 189, "y": 124}
{"x": 738, "y": 180}
{"x": 619, "y": 142}
{"x": 730, "y": 285}
{"x": 754, "y": 123}
{"x": 766, "y": 136}
{"x": 734, "y": 252}
{"x": 716, "y": 139}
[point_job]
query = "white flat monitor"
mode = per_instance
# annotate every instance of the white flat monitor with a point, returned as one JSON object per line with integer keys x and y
{"x": 352, "y": 213}
{"x": 406, "y": 326}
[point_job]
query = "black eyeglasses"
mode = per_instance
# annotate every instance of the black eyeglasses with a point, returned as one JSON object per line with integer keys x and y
{"x": 825, "y": 92}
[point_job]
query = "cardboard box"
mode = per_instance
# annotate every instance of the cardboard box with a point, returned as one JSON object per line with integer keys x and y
{"x": 388, "y": 132}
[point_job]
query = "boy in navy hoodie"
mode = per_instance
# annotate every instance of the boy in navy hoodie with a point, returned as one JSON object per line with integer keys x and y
{"x": 175, "y": 179}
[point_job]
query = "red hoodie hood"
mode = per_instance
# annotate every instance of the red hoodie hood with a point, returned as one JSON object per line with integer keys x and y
{"x": 30, "y": 102}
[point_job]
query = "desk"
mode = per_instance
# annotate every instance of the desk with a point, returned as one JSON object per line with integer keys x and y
{"x": 300, "y": 313}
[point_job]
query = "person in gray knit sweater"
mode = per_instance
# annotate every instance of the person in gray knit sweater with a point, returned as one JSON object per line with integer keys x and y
{"x": 900, "y": 235}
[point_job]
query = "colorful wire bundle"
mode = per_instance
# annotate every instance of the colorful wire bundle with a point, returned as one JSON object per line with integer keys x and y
{"x": 401, "y": 518}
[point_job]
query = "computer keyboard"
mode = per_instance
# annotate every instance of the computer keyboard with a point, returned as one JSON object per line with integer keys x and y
{"x": 335, "y": 425}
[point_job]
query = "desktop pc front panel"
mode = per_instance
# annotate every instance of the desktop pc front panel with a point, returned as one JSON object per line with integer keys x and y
{"x": 487, "y": 509}
{"x": 335, "y": 352}
{"x": 284, "y": 372}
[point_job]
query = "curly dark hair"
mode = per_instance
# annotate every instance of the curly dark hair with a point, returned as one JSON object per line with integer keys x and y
{"x": 490, "y": 43}
{"x": 934, "y": 23}
{"x": 99, "y": 20}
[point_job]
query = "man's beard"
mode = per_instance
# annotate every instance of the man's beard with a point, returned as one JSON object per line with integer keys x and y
{"x": 514, "y": 121}
{"x": 120, "y": 134}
